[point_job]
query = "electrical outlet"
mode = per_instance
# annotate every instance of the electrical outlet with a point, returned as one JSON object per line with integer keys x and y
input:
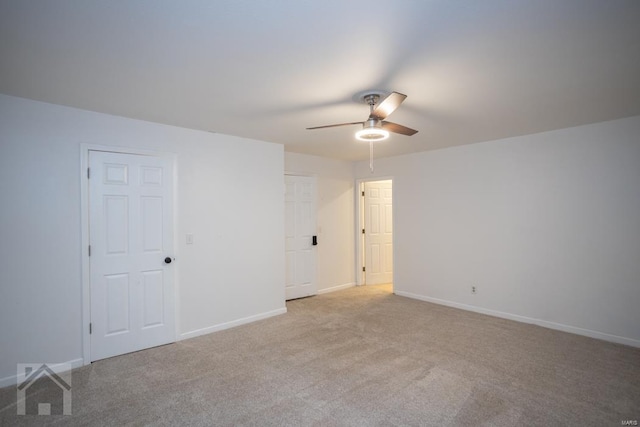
{"x": 473, "y": 289}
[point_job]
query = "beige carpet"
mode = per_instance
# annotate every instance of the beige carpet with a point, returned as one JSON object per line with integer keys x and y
{"x": 359, "y": 357}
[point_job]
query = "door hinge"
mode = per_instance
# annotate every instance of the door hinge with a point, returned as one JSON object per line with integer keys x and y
{"x": 90, "y": 328}
{"x": 364, "y": 269}
{"x": 89, "y": 250}
{"x": 88, "y": 173}
{"x": 363, "y": 231}
{"x": 362, "y": 193}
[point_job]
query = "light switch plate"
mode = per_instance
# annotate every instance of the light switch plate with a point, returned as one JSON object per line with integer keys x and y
{"x": 189, "y": 239}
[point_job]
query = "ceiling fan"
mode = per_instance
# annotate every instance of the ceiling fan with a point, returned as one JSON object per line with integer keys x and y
{"x": 376, "y": 128}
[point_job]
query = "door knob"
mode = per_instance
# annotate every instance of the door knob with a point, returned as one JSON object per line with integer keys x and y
{"x": 167, "y": 260}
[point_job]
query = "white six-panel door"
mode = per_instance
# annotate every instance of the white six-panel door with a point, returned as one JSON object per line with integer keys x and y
{"x": 300, "y": 227}
{"x": 130, "y": 223}
{"x": 378, "y": 226}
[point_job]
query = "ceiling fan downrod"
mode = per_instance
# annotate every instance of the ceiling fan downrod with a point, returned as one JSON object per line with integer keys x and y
{"x": 372, "y": 100}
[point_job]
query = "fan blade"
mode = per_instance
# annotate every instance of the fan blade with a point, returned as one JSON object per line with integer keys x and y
{"x": 396, "y": 128}
{"x": 333, "y": 126}
{"x": 388, "y": 105}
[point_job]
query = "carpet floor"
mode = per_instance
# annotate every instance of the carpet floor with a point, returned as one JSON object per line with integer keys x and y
{"x": 359, "y": 357}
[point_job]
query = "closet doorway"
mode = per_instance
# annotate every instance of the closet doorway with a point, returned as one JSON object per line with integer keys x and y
{"x": 376, "y": 232}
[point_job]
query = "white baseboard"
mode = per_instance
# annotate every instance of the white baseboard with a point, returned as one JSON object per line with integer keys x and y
{"x": 227, "y": 325}
{"x": 544, "y": 323}
{"x": 336, "y": 288}
{"x": 12, "y": 380}
{"x": 76, "y": 363}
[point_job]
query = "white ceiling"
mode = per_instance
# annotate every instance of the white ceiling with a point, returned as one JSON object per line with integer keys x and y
{"x": 473, "y": 70}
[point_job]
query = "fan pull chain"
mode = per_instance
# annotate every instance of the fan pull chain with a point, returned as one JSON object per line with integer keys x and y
{"x": 371, "y": 156}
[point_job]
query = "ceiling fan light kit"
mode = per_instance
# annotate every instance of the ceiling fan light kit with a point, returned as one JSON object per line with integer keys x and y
{"x": 372, "y": 131}
{"x": 372, "y": 134}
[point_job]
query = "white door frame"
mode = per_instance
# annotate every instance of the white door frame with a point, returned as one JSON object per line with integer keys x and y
{"x": 84, "y": 234}
{"x": 359, "y": 220}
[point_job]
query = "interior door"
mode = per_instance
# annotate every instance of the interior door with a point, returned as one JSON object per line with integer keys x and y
{"x": 378, "y": 236}
{"x": 131, "y": 234}
{"x": 300, "y": 227}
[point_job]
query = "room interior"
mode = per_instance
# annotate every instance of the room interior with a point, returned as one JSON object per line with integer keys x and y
{"x": 521, "y": 184}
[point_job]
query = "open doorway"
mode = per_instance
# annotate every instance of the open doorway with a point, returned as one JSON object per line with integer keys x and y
{"x": 375, "y": 213}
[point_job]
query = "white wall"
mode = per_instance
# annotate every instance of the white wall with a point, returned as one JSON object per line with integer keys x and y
{"x": 229, "y": 196}
{"x": 336, "y": 226}
{"x": 547, "y": 226}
